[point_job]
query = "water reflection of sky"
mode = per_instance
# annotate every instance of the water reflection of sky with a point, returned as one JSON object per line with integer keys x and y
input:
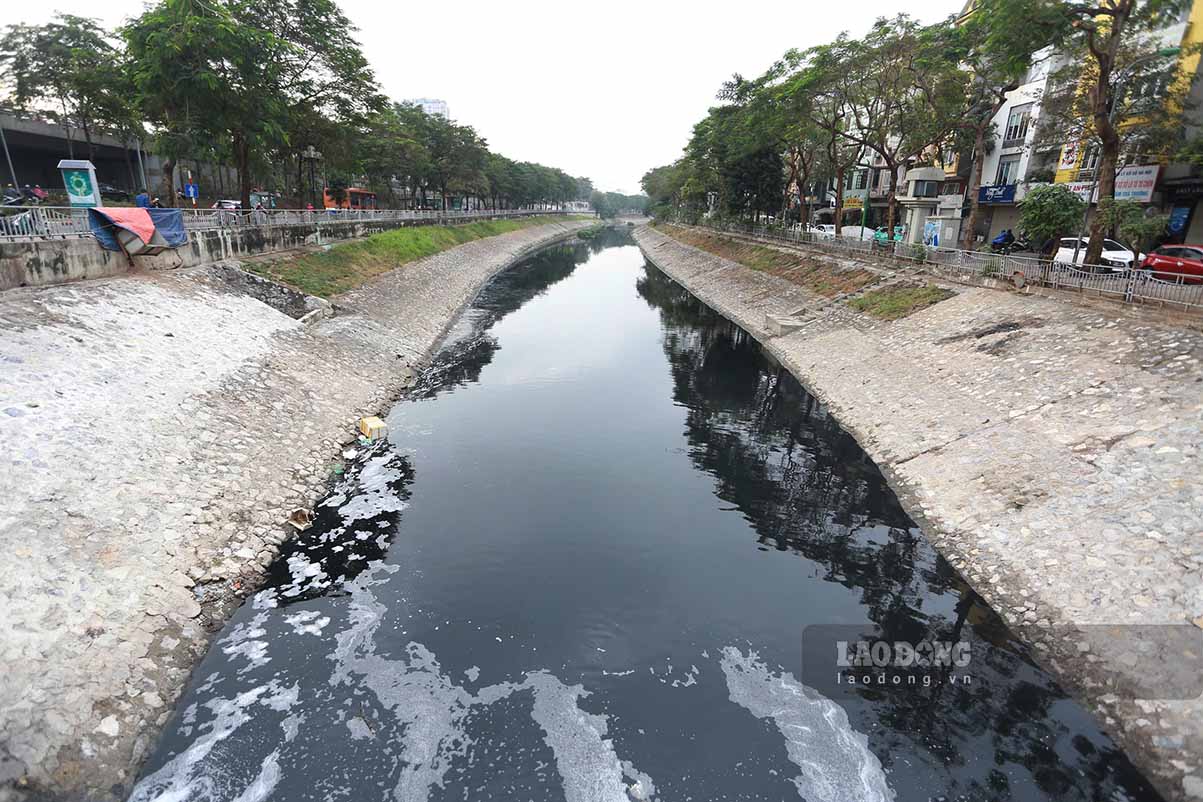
{"x": 581, "y": 570}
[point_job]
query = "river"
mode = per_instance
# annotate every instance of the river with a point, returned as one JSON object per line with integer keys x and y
{"x": 608, "y": 552}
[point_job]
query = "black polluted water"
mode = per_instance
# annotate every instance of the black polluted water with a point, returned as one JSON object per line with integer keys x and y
{"x": 612, "y": 551}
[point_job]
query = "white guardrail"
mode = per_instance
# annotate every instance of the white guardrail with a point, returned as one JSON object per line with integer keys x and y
{"x": 1184, "y": 291}
{"x": 52, "y": 222}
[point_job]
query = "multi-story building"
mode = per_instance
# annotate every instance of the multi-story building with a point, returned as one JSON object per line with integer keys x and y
{"x": 1018, "y": 161}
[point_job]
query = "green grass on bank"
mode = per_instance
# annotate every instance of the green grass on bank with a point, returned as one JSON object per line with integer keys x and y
{"x": 900, "y": 300}
{"x": 349, "y": 264}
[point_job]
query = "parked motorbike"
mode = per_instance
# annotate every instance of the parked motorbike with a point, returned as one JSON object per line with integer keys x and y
{"x": 1019, "y": 244}
{"x": 12, "y": 197}
{"x": 33, "y": 195}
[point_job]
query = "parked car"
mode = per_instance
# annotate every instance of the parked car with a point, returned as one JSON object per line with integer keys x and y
{"x": 110, "y": 192}
{"x": 1115, "y": 256}
{"x": 1176, "y": 262}
{"x": 231, "y": 205}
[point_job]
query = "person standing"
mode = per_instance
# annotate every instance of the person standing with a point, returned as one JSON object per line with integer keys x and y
{"x": 142, "y": 199}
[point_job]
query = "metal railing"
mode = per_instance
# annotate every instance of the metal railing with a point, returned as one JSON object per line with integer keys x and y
{"x": 57, "y": 222}
{"x": 1130, "y": 285}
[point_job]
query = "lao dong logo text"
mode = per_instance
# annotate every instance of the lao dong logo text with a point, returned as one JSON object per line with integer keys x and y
{"x": 897, "y": 663}
{"x": 842, "y": 659}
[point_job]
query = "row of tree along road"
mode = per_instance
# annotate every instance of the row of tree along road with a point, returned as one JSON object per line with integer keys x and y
{"x": 911, "y": 94}
{"x": 260, "y": 84}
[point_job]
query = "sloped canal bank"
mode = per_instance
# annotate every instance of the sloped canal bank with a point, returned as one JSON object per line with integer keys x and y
{"x": 582, "y": 568}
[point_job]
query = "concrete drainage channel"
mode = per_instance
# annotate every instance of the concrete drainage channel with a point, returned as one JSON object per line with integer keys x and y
{"x": 1047, "y": 449}
{"x": 215, "y": 418}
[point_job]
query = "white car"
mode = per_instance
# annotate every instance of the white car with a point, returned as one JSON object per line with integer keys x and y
{"x": 827, "y": 231}
{"x": 1115, "y": 256}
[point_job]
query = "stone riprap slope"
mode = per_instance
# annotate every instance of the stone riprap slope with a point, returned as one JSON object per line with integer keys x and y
{"x": 1051, "y": 452}
{"x": 155, "y": 432}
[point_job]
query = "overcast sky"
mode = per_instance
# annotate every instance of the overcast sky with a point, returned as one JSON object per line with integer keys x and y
{"x": 607, "y": 90}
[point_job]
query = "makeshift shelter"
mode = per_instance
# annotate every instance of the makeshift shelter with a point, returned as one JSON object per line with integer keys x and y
{"x": 137, "y": 231}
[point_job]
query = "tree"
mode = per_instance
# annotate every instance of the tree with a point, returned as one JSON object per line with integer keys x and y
{"x": 1049, "y": 211}
{"x": 69, "y": 65}
{"x": 819, "y": 91}
{"x": 243, "y": 70}
{"x": 1108, "y": 30}
{"x": 994, "y": 45}
{"x": 903, "y": 96}
{"x": 175, "y": 50}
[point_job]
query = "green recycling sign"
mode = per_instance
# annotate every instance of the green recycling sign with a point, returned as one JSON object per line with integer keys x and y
{"x": 79, "y": 178}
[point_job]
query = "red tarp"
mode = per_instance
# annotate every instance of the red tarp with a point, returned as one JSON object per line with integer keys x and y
{"x": 134, "y": 219}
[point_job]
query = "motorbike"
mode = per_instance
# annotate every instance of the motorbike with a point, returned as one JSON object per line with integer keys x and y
{"x": 1020, "y": 243}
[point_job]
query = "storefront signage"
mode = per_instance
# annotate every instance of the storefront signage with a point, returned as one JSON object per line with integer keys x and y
{"x": 1004, "y": 193}
{"x": 1133, "y": 183}
{"x": 1136, "y": 182}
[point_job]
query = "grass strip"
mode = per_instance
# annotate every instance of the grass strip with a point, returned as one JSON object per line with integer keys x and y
{"x": 350, "y": 264}
{"x": 899, "y": 300}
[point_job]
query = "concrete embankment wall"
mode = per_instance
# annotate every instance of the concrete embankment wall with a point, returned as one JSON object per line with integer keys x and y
{"x": 1049, "y": 451}
{"x": 34, "y": 263}
{"x": 155, "y": 432}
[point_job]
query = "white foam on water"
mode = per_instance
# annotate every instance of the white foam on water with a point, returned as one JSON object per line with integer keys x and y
{"x": 359, "y": 729}
{"x": 247, "y": 640}
{"x": 184, "y": 779}
{"x": 265, "y": 782}
{"x": 585, "y": 758}
{"x": 642, "y": 789}
{"x": 307, "y": 622}
{"x": 422, "y": 699}
{"x": 433, "y": 709}
{"x": 834, "y": 759}
{"x": 373, "y": 495}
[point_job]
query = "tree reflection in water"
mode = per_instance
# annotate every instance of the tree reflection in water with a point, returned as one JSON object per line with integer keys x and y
{"x": 807, "y": 488}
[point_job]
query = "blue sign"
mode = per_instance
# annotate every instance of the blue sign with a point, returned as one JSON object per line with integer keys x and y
{"x": 1178, "y": 218}
{"x": 191, "y": 191}
{"x": 1004, "y": 193}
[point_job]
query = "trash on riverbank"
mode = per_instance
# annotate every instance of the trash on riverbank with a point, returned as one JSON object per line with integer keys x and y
{"x": 300, "y": 519}
{"x": 372, "y": 427}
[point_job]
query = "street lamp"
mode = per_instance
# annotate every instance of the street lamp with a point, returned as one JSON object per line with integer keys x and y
{"x": 313, "y": 156}
{"x": 1123, "y": 77}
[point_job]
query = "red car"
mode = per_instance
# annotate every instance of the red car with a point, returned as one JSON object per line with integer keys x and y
{"x": 1176, "y": 263}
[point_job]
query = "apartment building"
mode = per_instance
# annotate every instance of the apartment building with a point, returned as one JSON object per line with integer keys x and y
{"x": 1018, "y": 161}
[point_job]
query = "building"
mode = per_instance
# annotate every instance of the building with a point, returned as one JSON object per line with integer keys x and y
{"x": 1017, "y": 161}
{"x": 432, "y": 106}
